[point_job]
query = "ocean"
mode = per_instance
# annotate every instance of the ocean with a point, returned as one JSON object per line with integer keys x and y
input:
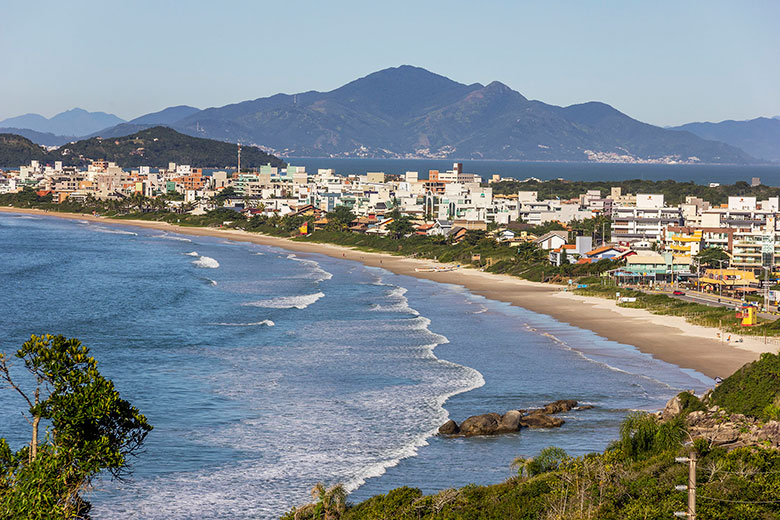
{"x": 697, "y": 173}
{"x": 265, "y": 372}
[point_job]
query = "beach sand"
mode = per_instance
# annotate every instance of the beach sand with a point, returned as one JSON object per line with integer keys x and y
{"x": 668, "y": 338}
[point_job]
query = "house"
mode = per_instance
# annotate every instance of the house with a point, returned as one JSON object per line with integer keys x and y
{"x": 565, "y": 253}
{"x": 552, "y": 240}
{"x": 440, "y": 227}
{"x": 604, "y": 252}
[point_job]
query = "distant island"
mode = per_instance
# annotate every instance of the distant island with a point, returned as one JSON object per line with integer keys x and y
{"x": 154, "y": 146}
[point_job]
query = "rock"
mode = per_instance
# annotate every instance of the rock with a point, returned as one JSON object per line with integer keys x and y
{"x": 672, "y": 409}
{"x": 770, "y": 432}
{"x": 540, "y": 420}
{"x": 449, "y": 428}
{"x": 510, "y": 421}
{"x": 584, "y": 407}
{"x": 485, "y": 424}
{"x": 563, "y": 405}
{"x": 725, "y": 435}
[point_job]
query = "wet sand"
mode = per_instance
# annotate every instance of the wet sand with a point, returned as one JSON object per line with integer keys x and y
{"x": 668, "y": 338}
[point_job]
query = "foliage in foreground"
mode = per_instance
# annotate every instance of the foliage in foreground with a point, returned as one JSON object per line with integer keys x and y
{"x": 753, "y": 390}
{"x": 89, "y": 429}
{"x": 740, "y": 485}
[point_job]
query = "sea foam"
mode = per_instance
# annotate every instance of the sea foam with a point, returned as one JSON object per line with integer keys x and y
{"x": 206, "y": 262}
{"x": 287, "y": 302}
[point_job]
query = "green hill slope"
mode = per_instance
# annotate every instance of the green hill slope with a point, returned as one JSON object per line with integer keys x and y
{"x": 160, "y": 145}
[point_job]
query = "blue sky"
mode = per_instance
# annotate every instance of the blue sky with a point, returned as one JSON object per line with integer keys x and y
{"x": 663, "y": 62}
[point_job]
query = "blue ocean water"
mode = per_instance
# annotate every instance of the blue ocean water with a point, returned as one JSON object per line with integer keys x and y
{"x": 265, "y": 372}
{"x": 697, "y": 173}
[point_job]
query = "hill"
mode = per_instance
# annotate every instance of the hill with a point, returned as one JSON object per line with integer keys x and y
{"x": 16, "y": 150}
{"x": 76, "y": 121}
{"x": 759, "y": 137}
{"x": 155, "y": 146}
{"x": 159, "y": 145}
{"x": 411, "y": 112}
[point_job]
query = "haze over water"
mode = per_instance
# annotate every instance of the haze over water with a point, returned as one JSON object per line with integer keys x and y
{"x": 265, "y": 372}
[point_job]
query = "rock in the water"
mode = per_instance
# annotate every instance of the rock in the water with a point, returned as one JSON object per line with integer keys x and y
{"x": 510, "y": 421}
{"x": 485, "y": 424}
{"x": 584, "y": 407}
{"x": 672, "y": 409}
{"x": 449, "y": 428}
{"x": 540, "y": 420}
{"x": 563, "y": 405}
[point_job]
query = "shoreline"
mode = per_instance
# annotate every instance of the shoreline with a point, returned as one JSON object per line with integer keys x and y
{"x": 668, "y": 338}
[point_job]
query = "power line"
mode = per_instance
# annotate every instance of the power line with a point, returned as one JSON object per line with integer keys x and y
{"x": 740, "y": 501}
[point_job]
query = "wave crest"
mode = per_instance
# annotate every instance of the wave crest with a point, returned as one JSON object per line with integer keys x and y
{"x": 288, "y": 302}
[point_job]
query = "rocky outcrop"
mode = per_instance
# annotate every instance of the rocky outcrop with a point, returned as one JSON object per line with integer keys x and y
{"x": 541, "y": 420}
{"x": 563, "y": 405}
{"x": 511, "y": 421}
{"x": 449, "y": 428}
{"x": 732, "y": 430}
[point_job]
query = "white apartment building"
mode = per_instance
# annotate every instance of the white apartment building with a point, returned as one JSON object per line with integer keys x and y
{"x": 645, "y": 221}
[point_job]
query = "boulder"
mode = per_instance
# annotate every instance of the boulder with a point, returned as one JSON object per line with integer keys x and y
{"x": 584, "y": 407}
{"x": 672, "y": 409}
{"x": 485, "y": 424}
{"x": 449, "y": 428}
{"x": 510, "y": 421}
{"x": 540, "y": 420}
{"x": 562, "y": 405}
{"x": 770, "y": 432}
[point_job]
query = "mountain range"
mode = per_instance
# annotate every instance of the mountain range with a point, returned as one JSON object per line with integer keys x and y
{"x": 758, "y": 137}
{"x": 410, "y": 112}
{"x": 75, "y": 122}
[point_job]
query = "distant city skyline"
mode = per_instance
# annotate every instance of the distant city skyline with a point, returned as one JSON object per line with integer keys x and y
{"x": 664, "y": 63}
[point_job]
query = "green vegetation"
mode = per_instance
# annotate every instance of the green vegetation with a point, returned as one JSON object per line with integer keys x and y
{"x": 674, "y": 192}
{"x": 752, "y": 390}
{"x": 89, "y": 429}
{"x": 739, "y": 485}
{"x": 16, "y": 150}
{"x": 633, "y": 479}
{"x": 151, "y": 147}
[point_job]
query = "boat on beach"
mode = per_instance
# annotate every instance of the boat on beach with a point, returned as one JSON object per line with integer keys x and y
{"x": 440, "y": 269}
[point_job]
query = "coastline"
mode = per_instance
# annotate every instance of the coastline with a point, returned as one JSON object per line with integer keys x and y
{"x": 668, "y": 338}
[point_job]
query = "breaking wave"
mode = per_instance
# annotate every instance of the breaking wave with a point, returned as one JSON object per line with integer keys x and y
{"x": 206, "y": 262}
{"x": 287, "y": 302}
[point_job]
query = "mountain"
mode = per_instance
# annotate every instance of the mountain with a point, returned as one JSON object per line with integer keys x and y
{"x": 72, "y": 122}
{"x": 45, "y": 139}
{"x": 411, "y": 112}
{"x": 166, "y": 116}
{"x": 155, "y": 146}
{"x": 759, "y": 137}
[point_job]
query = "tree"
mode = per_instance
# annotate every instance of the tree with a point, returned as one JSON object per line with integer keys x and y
{"x": 548, "y": 460}
{"x": 88, "y": 429}
{"x": 712, "y": 257}
{"x": 341, "y": 217}
{"x": 400, "y": 226}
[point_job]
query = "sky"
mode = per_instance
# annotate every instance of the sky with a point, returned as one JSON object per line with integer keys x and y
{"x": 662, "y": 62}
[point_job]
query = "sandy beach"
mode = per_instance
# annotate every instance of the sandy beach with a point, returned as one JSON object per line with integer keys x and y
{"x": 668, "y": 338}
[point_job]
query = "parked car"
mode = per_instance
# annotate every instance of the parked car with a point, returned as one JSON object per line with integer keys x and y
{"x": 678, "y": 293}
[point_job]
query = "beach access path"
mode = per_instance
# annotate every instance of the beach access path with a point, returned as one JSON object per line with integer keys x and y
{"x": 668, "y": 338}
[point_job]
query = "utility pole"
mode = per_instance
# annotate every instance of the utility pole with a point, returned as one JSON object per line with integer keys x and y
{"x": 691, "y": 487}
{"x": 239, "y": 159}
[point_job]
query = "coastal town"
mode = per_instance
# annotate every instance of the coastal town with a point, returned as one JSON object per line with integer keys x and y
{"x": 654, "y": 242}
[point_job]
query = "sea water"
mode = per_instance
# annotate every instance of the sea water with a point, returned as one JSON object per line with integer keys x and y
{"x": 265, "y": 371}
